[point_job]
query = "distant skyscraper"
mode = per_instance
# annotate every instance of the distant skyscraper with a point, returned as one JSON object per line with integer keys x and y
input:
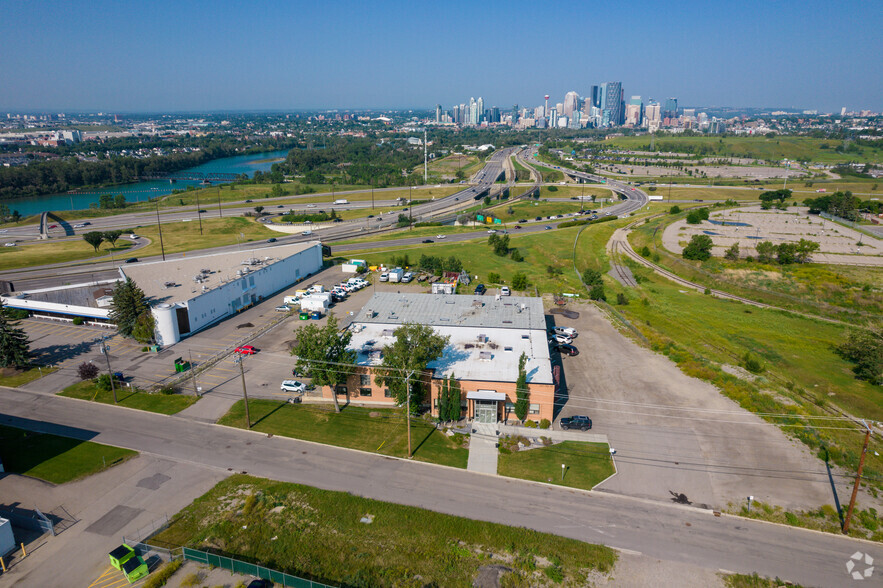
{"x": 472, "y": 112}
{"x": 596, "y": 97}
{"x": 495, "y": 115}
{"x": 653, "y": 112}
{"x": 670, "y": 110}
{"x": 479, "y": 107}
{"x": 514, "y": 114}
{"x": 611, "y": 104}
{"x": 553, "y": 118}
{"x": 546, "y": 107}
{"x": 438, "y": 113}
{"x": 634, "y": 111}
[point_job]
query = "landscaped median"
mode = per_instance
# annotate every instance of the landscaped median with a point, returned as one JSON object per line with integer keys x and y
{"x": 341, "y": 539}
{"x": 585, "y": 465}
{"x": 378, "y": 430}
{"x": 56, "y": 459}
{"x": 130, "y": 397}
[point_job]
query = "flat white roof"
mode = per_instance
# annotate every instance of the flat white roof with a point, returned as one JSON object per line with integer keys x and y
{"x": 492, "y": 359}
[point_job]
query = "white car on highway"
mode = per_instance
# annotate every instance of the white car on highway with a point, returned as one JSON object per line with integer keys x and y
{"x": 440, "y": 236}
{"x": 9, "y": 244}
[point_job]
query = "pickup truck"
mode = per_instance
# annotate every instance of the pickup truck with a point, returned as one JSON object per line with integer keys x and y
{"x": 583, "y": 423}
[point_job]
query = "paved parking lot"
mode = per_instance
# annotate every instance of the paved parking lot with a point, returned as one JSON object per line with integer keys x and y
{"x": 707, "y": 448}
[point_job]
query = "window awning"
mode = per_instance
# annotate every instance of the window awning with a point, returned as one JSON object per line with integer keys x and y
{"x": 486, "y": 395}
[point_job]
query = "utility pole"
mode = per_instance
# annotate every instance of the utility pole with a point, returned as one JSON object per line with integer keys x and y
{"x": 372, "y": 194}
{"x": 159, "y": 227}
{"x": 106, "y": 351}
{"x": 858, "y": 477}
{"x": 425, "y": 167}
{"x": 220, "y": 214}
{"x": 244, "y": 391}
{"x": 410, "y": 211}
{"x": 199, "y": 210}
{"x": 193, "y": 374}
{"x": 408, "y": 410}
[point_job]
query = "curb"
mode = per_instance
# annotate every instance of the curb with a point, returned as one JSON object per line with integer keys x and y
{"x": 825, "y": 533}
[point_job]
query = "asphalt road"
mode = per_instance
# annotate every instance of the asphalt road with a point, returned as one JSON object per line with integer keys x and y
{"x": 664, "y": 531}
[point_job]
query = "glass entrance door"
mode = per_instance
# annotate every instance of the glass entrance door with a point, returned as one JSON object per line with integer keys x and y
{"x": 486, "y": 411}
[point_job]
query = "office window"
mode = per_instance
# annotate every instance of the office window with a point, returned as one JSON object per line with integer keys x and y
{"x": 387, "y": 393}
{"x": 341, "y": 390}
{"x": 510, "y": 407}
{"x": 364, "y": 391}
{"x": 365, "y": 379}
{"x": 534, "y": 409}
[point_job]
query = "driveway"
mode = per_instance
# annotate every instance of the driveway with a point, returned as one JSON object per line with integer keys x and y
{"x": 701, "y": 444}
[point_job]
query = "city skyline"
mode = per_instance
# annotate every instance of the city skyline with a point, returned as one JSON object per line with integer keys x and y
{"x": 208, "y": 57}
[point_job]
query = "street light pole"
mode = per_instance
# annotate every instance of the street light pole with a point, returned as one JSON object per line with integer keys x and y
{"x": 220, "y": 214}
{"x": 106, "y": 351}
{"x": 408, "y": 410}
{"x": 159, "y": 228}
{"x": 198, "y": 212}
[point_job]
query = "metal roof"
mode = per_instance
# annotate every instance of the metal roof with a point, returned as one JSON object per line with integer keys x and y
{"x": 457, "y": 310}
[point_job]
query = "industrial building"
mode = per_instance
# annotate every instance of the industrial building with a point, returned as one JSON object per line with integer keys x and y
{"x": 188, "y": 294}
{"x": 487, "y": 337}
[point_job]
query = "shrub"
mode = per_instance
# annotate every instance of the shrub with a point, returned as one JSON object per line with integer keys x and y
{"x": 162, "y": 575}
{"x": 752, "y": 364}
{"x": 699, "y": 248}
{"x": 87, "y": 371}
{"x": 144, "y": 348}
{"x": 597, "y": 292}
{"x": 78, "y": 320}
{"x": 167, "y": 390}
{"x": 675, "y": 210}
{"x": 104, "y": 382}
{"x": 645, "y": 251}
{"x": 545, "y": 424}
{"x": 553, "y": 188}
{"x": 494, "y": 278}
{"x": 530, "y": 424}
{"x": 15, "y": 313}
{"x": 591, "y": 277}
{"x": 621, "y": 299}
{"x": 516, "y": 255}
{"x": 519, "y": 281}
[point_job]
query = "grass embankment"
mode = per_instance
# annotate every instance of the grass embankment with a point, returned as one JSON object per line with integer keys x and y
{"x": 587, "y": 464}
{"x": 377, "y": 430}
{"x": 864, "y": 524}
{"x": 447, "y": 167}
{"x": 131, "y": 398}
{"x": 574, "y": 191}
{"x": 317, "y": 534}
{"x": 13, "y": 377}
{"x": 417, "y": 232}
{"x": 184, "y": 236}
{"x": 46, "y": 252}
{"x": 801, "y": 372}
{"x": 754, "y": 581}
{"x": 843, "y": 292}
{"x": 770, "y": 149}
{"x": 739, "y": 193}
{"x": 56, "y": 459}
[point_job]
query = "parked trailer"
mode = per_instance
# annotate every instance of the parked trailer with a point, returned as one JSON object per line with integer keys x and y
{"x": 315, "y": 303}
{"x": 342, "y": 201}
{"x": 395, "y": 275}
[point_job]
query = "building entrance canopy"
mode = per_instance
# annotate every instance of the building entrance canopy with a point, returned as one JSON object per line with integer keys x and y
{"x": 486, "y": 395}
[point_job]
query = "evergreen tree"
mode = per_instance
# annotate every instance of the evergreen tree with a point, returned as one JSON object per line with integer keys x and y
{"x": 443, "y": 398}
{"x": 522, "y": 394}
{"x": 454, "y": 399}
{"x": 14, "y": 346}
{"x": 129, "y": 304}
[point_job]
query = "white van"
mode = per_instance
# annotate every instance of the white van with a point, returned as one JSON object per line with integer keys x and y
{"x": 342, "y": 201}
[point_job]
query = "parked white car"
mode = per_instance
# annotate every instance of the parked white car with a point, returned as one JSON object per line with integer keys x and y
{"x": 556, "y": 338}
{"x": 566, "y": 331}
{"x": 293, "y": 386}
{"x": 384, "y": 277}
{"x": 504, "y": 291}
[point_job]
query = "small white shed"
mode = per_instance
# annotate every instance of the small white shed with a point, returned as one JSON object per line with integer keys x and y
{"x": 7, "y": 540}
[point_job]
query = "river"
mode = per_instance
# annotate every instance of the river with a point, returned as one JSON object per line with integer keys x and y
{"x": 139, "y": 191}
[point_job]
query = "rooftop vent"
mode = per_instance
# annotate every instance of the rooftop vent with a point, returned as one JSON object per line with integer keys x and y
{"x": 388, "y": 333}
{"x": 485, "y": 355}
{"x": 507, "y": 349}
{"x": 482, "y": 338}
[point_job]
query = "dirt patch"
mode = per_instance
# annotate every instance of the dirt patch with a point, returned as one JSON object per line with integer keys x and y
{"x": 739, "y": 372}
{"x": 571, "y": 314}
{"x": 489, "y": 576}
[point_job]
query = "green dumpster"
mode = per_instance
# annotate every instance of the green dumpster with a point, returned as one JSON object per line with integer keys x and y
{"x": 181, "y": 365}
{"x": 121, "y": 555}
{"x": 135, "y": 569}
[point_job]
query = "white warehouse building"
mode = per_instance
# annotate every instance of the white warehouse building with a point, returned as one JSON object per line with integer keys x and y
{"x": 192, "y": 293}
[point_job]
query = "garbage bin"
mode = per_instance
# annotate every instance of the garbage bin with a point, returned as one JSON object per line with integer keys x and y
{"x": 181, "y": 365}
{"x": 121, "y": 555}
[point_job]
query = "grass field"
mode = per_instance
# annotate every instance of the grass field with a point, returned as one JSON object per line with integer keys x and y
{"x": 447, "y": 167}
{"x": 181, "y": 236}
{"x": 532, "y": 209}
{"x": 44, "y": 252}
{"x": 55, "y": 459}
{"x": 772, "y": 149}
{"x": 574, "y": 191}
{"x": 13, "y": 377}
{"x": 354, "y": 427}
{"x": 549, "y": 249}
{"x": 799, "y": 193}
{"x": 161, "y": 403}
{"x": 317, "y": 534}
{"x": 587, "y": 464}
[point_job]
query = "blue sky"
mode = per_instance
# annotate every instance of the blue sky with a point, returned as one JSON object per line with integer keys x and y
{"x": 161, "y": 56}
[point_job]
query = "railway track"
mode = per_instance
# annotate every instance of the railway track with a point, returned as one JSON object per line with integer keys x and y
{"x": 625, "y": 277}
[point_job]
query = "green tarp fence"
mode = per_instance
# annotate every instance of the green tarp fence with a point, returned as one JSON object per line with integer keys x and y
{"x": 240, "y": 567}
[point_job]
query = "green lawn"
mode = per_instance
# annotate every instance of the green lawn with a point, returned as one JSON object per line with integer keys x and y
{"x": 354, "y": 427}
{"x": 184, "y": 236}
{"x": 161, "y": 403}
{"x": 317, "y": 534}
{"x": 575, "y": 191}
{"x": 587, "y": 464}
{"x": 532, "y": 209}
{"x": 13, "y": 378}
{"x": 53, "y": 458}
{"x": 53, "y": 251}
{"x": 773, "y": 149}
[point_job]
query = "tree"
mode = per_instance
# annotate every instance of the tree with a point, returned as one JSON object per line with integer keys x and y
{"x": 322, "y": 354}
{"x": 732, "y": 252}
{"x": 94, "y": 238}
{"x": 129, "y": 303}
{"x": 591, "y": 277}
{"x": 697, "y": 215}
{"x": 493, "y": 278}
{"x": 405, "y": 361}
{"x": 87, "y": 371}
{"x": 765, "y": 251}
{"x": 597, "y": 292}
{"x": 449, "y": 400}
{"x": 698, "y": 248}
{"x": 112, "y": 236}
{"x": 14, "y": 345}
{"x": 145, "y": 326}
{"x": 516, "y": 256}
{"x": 258, "y": 209}
{"x": 277, "y": 191}
{"x": 519, "y": 281}
{"x": 786, "y": 253}
{"x": 119, "y": 201}
{"x": 805, "y": 248}
{"x": 522, "y": 394}
{"x": 864, "y": 348}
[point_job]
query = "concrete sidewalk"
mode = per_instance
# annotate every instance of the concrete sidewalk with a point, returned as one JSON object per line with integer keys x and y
{"x": 483, "y": 450}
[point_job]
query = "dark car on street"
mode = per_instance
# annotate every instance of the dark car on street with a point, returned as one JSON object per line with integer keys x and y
{"x": 427, "y": 241}
{"x": 583, "y": 423}
{"x": 132, "y": 260}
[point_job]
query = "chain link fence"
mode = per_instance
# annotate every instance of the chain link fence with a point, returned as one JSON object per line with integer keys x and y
{"x": 249, "y": 569}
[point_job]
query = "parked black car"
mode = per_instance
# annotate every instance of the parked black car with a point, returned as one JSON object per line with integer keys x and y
{"x": 480, "y": 289}
{"x": 583, "y": 423}
{"x": 566, "y": 349}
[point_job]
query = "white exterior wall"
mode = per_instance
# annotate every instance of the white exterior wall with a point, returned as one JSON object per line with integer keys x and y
{"x": 38, "y": 305}
{"x": 225, "y": 300}
{"x": 7, "y": 539}
{"x": 166, "y": 330}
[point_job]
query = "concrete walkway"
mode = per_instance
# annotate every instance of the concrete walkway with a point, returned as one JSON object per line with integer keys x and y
{"x": 483, "y": 449}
